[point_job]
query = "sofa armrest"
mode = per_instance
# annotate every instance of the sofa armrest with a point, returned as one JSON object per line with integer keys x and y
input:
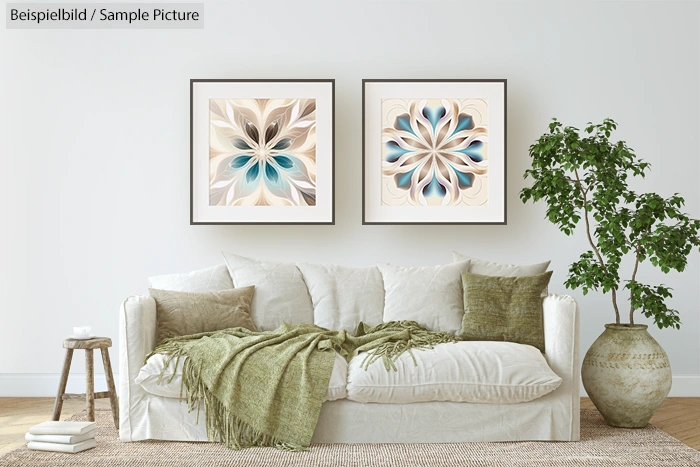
{"x": 137, "y": 338}
{"x": 561, "y": 343}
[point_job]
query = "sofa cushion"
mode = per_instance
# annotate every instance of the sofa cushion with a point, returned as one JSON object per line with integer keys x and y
{"x": 431, "y": 296}
{"x": 343, "y": 296}
{"x": 280, "y": 292}
{"x": 490, "y": 268}
{"x": 202, "y": 280}
{"x": 479, "y": 372}
{"x": 150, "y": 373}
{"x": 183, "y": 313}
{"x": 504, "y": 308}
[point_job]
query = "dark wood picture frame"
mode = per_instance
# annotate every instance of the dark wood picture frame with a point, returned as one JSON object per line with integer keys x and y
{"x": 365, "y": 83}
{"x": 329, "y": 221}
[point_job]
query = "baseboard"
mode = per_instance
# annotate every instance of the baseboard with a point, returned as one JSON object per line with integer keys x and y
{"x": 685, "y": 386}
{"x": 46, "y": 384}
{"x": 682, "y": 386}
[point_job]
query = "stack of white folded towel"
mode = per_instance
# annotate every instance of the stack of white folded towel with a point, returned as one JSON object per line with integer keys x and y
{"x": 62, "y": 436}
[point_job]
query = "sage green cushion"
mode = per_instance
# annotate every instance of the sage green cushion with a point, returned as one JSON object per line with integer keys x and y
{"x": 504, "y": 308}
{"x": 490, "y": 268}
{"x": 184, "y": 313}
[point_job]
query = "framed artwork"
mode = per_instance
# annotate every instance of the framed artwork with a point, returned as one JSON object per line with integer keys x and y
{"x": 262, "y": 151}
{"x": 434, "y": 151}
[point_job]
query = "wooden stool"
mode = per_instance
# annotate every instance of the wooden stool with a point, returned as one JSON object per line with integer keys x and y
{"x": 102, "y": 343}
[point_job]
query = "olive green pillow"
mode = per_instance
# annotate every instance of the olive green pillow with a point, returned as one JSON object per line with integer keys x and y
{"x": 183, "y": 313}
{"x": 504, "y": 308}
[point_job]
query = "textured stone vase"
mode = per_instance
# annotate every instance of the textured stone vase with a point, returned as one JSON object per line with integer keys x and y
{"x": 627, "y": 375}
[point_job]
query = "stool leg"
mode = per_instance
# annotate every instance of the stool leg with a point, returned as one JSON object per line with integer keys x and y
{"x": 58, "y": 405}
{"x": 110, "y": 386}
{"x": 90, "y": 385}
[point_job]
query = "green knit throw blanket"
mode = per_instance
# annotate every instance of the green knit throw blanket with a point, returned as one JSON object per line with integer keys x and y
{"x": 266, "y": 388}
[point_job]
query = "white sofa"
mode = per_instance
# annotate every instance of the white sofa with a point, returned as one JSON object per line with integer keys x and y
{"x": 398, "y": 409}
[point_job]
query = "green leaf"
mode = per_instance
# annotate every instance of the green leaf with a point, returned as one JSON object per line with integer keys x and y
{"x": 584, "y": 176}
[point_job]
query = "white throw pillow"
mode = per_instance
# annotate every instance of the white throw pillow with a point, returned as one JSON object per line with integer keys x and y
{"x": 150, "y": 373}
{"x": 469, "y": 371}
{"x": 342, "y": 296}
{"x": 431, "y": 296}
{"x": 211, "y": 279}
{"x": 489, "y": 268}
{"x": 280, "y": 292}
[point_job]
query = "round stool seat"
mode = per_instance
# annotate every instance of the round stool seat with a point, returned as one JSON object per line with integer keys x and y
{"x": 93, "y": 343}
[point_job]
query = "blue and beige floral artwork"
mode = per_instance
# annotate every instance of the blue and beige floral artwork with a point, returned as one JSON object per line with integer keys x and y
{"x": 434, "y": 152}
{"x": 262, "y": 152}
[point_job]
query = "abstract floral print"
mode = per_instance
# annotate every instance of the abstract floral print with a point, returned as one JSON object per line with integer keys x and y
{"x": 262, "y": 152}
{"x": 434, "y": 152}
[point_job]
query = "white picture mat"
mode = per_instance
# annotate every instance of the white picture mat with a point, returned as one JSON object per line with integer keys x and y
{"x": 373, "y": 209}
{"x": 322, "y": 92}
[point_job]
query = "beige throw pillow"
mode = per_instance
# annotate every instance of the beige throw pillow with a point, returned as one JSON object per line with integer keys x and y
{"x": 183, "y": 313}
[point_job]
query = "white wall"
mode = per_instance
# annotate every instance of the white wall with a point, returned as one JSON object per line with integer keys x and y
{"x": 94, "y": 147}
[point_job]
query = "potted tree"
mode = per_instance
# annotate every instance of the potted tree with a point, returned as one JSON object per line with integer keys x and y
{"x": 582, "y": 176}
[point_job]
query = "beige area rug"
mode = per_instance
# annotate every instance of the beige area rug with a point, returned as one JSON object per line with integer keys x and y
{"x": 600, "y": 445}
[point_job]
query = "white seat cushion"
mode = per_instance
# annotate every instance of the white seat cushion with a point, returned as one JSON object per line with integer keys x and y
{"x": 150, "y": 372}
{"x": 342, "y": 296}
{"x": 476, "y": 371}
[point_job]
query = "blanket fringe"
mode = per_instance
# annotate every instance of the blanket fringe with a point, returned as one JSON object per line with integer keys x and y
{"x": 419, "y": 338}
{"x": 222, "y": 425}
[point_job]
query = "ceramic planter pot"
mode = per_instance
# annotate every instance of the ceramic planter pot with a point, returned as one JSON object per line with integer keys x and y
{"x": 627, "y": 375}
